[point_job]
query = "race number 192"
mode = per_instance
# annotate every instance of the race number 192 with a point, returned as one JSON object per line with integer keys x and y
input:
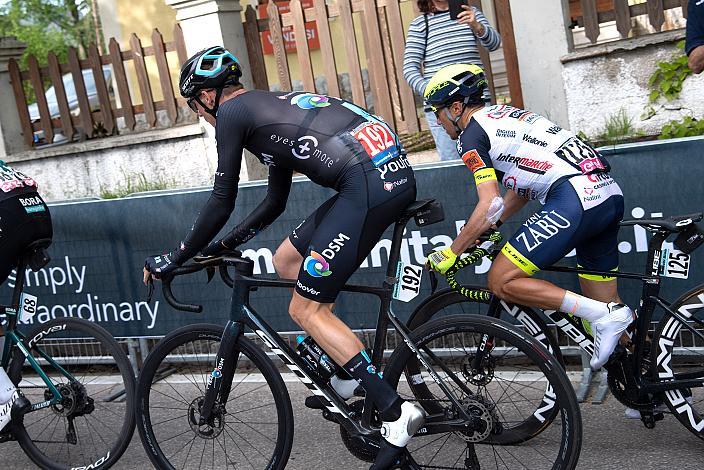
{"x": 408, "y": 286}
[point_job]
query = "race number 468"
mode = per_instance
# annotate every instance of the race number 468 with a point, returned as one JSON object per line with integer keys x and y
{"x": 28, "y": 306}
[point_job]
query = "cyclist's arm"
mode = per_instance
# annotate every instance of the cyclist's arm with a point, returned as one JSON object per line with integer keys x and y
{"x": 512, "y": 204}
{"x": 478, "y": 222}
{"x": 273, "y": 205}
{"x": 474, "y": 146}
{"x": 230, "y": 133}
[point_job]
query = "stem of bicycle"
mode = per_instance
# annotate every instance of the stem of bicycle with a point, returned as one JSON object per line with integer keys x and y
{"x": 401, "y": 328}
{"x": 220, "y": 386}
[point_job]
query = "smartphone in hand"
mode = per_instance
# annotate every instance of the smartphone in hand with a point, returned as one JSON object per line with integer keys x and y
{"x": 456, "y": 7}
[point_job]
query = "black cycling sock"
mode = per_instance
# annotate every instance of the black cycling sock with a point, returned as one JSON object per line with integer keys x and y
{"x": 381, "y": 393}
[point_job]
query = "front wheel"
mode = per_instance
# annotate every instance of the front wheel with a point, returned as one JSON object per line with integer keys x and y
{"x": 252, "y": 429}
{"x": 499, "y": 377}
{"x": 678, "y": 353}
{"x": 93, "y": 423}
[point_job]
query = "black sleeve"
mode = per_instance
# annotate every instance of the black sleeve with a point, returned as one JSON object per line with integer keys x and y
{"x": 230, "y": 134}
{"x": 695, "y": 26}
{"x": 273, "y": 205}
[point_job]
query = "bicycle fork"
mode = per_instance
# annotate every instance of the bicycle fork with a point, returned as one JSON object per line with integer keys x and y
{"x": 220, "y": 380}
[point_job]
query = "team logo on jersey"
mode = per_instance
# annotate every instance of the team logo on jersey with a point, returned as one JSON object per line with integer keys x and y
{"x": 473, "y": 161}
{"x": 310, "y": 101}
{"x": 316, "y": 265}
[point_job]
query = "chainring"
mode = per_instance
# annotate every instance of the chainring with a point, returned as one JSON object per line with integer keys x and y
{"x": 617, "y": 382}
{"x": 363, "y": 447}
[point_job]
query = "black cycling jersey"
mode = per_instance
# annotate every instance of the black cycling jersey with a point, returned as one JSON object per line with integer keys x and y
{"x": 24, "y": 217}
{"x": 315, "y": 135}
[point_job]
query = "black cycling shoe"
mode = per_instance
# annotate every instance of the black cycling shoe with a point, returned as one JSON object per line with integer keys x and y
{"x": 20, "y": 407}
{"x": 388, "y": 457}
{"x": 314, "y": 402}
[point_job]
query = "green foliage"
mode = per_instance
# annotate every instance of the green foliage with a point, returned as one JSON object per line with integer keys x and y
{"x": 669, "y": 76}
{"x": 135, "y": 183}
{"x": 47, "y": 25}
{"x": 687, "y": 127}
{"x": 617, "y": 128}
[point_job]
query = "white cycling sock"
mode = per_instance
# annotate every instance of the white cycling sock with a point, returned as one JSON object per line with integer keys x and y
{"x": 7, "y": 388}
{"x": 583, "y": 307}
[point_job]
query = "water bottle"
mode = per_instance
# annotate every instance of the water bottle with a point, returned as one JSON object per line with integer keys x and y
{"x": 315, "y": 357}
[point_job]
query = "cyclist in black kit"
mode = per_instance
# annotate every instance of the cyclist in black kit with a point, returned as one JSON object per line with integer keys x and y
{"x": 24, "y": 218}
{"x": 337, "y": 145}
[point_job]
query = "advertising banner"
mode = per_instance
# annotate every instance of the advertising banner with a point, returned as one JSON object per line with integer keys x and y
{"x": 99, "y": 246}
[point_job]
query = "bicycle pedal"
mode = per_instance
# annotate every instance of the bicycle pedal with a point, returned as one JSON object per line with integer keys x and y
{"x": 6, "y": 436}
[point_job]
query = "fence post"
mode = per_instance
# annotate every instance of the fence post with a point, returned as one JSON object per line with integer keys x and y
{"x": 11, "y": 138}
{"x": 218, "y": 22}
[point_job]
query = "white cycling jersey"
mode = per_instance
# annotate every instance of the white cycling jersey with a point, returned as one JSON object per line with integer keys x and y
{"x": 523, "y": 150}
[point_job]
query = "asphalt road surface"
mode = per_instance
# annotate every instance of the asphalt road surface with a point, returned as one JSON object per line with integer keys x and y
{"x": 610, "y": 442}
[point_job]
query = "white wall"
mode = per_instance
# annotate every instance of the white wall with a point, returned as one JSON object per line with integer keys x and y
{"x": 180, "y": 156}
{"x": 600, "y": 86}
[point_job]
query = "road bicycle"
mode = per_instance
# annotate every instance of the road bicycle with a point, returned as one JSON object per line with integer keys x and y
{"x": 210, "y": 397}
{"x": 78, "y": 380}
{"x": 660, "y": 365}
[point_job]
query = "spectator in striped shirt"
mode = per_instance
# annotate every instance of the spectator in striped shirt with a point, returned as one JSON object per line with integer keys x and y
{"x": 434, "y": 41}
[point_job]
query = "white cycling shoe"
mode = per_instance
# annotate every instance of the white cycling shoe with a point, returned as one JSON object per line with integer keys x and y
{"x": 399, "y": 432}
{"x": 607, "y": 331}
{"x": 6, "y": 410}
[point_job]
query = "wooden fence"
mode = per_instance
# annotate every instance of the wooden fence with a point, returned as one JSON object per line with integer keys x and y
{"x": 383, "y": 38}
{"x": 91, "y": 120}
{"x": 593, "y": 13}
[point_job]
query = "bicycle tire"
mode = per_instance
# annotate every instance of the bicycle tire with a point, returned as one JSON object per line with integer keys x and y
{"x": 432, "y": 308}
{"x": 670, "y": 337}
{"x": 205, "y": 339}
{"x": 109, "y": 423}
{"x": 443, "y": 336}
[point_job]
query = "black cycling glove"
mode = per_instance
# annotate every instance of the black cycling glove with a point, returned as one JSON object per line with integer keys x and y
{"x": 161, "y": 265}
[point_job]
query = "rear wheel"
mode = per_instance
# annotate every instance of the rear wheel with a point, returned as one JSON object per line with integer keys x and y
{"x": 94, "y": 423}
{"x": 501, "y": 392}
{"x": 449, "y": 302}
{"x": 678, "y": 353}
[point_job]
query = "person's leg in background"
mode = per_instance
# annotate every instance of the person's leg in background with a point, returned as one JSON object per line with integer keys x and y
{"x": 447, "y": 148}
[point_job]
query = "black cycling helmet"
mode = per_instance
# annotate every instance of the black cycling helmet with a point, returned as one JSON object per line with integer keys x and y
{"x": 456, "y": 82}
{"x": 211, "y": 68}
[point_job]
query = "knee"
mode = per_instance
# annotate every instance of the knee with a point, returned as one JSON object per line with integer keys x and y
{"x": 300, "y": 312}
{"x": 497, "y": 284}
{"x": 283, "y": 265}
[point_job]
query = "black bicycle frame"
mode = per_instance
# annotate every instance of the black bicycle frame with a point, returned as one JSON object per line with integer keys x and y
{"x": 649, "y": 301}
{"x": 243, "y": 315}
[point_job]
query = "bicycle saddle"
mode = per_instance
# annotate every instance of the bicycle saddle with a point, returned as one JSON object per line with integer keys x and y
{"x": 425, "y": 211}
{"x": 676, "y": 223}
{"x": 35, "y": 255}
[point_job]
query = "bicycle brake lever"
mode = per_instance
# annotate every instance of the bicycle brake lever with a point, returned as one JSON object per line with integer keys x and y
{"x": 210, "y": 271}
{"x": 433, "y": 281}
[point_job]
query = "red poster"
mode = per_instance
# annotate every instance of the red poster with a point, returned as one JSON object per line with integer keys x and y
{"x": 287, "y": 32}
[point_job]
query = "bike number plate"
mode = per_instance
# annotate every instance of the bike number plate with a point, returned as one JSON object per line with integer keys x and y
{"x": 674, "y": 263}
{"x": 28, "y": 306}
{"x": 407, "y": 287}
